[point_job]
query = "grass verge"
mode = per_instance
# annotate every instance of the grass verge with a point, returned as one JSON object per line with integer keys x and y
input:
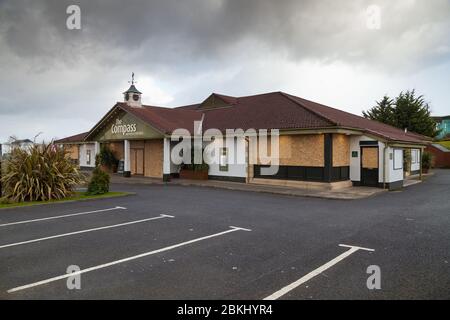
{"x": 78, "y": 196}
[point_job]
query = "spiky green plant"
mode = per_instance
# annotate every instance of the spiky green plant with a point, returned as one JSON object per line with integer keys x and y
{"x": 40, "y": 173}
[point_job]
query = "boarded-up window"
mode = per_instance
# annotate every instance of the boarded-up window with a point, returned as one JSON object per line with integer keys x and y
{"x": 341, "y": 150}
{"x": 301, "y": 150}
{"x": 370, "y": 158}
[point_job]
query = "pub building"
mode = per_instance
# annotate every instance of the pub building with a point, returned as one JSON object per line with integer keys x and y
{"x": 319, "y": 147}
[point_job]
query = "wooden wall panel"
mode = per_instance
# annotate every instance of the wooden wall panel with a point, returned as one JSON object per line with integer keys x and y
{"x": 153, "y": 157}
{"x": 300, "y": 150}
{"x": 370, "y": 158}
{"x": 341, "y": 150}
{"x": 72, "y": 151}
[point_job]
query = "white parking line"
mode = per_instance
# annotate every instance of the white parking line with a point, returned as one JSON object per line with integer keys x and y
{"x": 84, "y": 231}
{"x": 63, "y": 216}
{"x": 316, "y": 272}
{"x": 63, "y": 276}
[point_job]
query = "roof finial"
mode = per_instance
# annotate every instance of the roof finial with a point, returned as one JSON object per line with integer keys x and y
{"x": 132, "y": 79}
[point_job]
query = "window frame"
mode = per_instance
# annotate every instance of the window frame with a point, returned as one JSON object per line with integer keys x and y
{"x": 394, "y": 161}
{"x": 88, "y": 157}
{"x": 223, "y": 153}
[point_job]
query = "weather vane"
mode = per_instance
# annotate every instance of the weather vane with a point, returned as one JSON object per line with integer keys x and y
{"x": 132, "y": 79}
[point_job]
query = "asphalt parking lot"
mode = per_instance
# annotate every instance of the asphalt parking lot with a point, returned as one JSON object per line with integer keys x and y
{"x": 176, "y": 242}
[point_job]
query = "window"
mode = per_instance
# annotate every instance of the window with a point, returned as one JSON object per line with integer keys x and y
{"x": 398, "y": 159}
{"x": 414, "y": 156}
{"x": 223, "y": 165}
{"x": 88, "y": 157}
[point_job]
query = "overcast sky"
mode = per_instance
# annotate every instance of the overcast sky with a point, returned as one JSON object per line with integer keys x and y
{"x": 60, "y": 81}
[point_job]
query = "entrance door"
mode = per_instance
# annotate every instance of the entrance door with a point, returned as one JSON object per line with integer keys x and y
{"x": 137, "y": 161}
{"x": 369, "y": 166}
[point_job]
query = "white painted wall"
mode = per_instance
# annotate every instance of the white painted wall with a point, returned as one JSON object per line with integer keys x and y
{"x": 168, "y": 166}
{"x": 355, "y": 163}
{"x": 83, "y": 155}
{"x": 235, "y": 168}
{"x": 393, "y": 174}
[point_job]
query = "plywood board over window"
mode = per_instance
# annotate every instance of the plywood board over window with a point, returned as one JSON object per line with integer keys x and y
{"x": 72, "y": 151}
{"x": 154, "y": 158}
{"x": 300, "y": 150}
{"x": 370, "y": 158}
{"x": 341, "y": 150}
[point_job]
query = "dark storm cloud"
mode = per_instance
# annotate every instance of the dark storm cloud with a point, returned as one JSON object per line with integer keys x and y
{"x": 166, "y": 31}
{"x": 194, "y": 46}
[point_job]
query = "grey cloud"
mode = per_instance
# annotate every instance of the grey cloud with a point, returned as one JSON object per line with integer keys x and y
{"x": 197, "y": 46}
{"x": 173, "y": 31}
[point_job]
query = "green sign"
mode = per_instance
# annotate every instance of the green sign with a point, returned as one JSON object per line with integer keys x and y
{"x": 126, "y": 127}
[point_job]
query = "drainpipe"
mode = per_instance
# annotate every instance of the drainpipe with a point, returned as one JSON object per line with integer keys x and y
{"x": 384, "y": 165}
{"x": 247, "y": 158}
{"x": 420, "y": 163}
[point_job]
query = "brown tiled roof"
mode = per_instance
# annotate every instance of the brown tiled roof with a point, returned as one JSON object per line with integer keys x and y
{"x": 73, "y": 139}
{"x": 264, "y": 111}
{"x": 275, "y": 110}
{"x": 345, "y": 119}
{"x": 228, "y": 99}
{"x": 165, "y": 120}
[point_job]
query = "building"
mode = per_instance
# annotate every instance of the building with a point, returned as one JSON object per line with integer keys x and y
{"x": 80, "y": 151}
{"x": 441, "y": 155}
{"x": 16, "y": 144}
{"x": 443, "y": 124}
{"x": 319, "y": 146}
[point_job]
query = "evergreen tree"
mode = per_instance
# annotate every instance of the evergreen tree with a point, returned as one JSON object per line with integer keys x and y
{"x": 382, "y": 112}
{"x": 407, "y": 111}
{"x": 414, "y": 114}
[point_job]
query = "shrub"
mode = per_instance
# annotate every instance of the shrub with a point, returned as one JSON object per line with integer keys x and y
{"x": 99, "y": 183}
{"x": 196, "y": 166}
{"x": 106, "y": 158}
{"x": 40, "y": 173}
{"x": 426, "y": 160}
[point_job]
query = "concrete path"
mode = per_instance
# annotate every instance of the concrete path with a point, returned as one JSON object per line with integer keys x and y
{"x": 349, "y": 193}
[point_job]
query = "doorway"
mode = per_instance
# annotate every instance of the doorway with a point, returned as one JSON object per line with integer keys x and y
{"x": 137, "y": 161}
{"x": 369, "y": 166}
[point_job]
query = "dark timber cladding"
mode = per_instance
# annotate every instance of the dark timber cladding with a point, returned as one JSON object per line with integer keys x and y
{"x": 328, "y": 160}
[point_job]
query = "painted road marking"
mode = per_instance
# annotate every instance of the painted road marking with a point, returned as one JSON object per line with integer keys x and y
{"x": 84, "y": 231}
{"x": 63, "y": 216}
{"x": 109, "y": 264}
{"x": 316, "y": 272}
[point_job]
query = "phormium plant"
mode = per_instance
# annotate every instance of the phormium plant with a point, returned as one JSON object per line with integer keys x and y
{"x": 40, "y": 173}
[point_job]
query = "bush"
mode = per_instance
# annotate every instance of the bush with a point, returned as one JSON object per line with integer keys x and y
{"x": 195, "y": 166}
{"x": 426, "y": 160}
{"x": 40, "y": 173}
{"x": 106, "y": 158}
{"x": 99, "y": 183}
